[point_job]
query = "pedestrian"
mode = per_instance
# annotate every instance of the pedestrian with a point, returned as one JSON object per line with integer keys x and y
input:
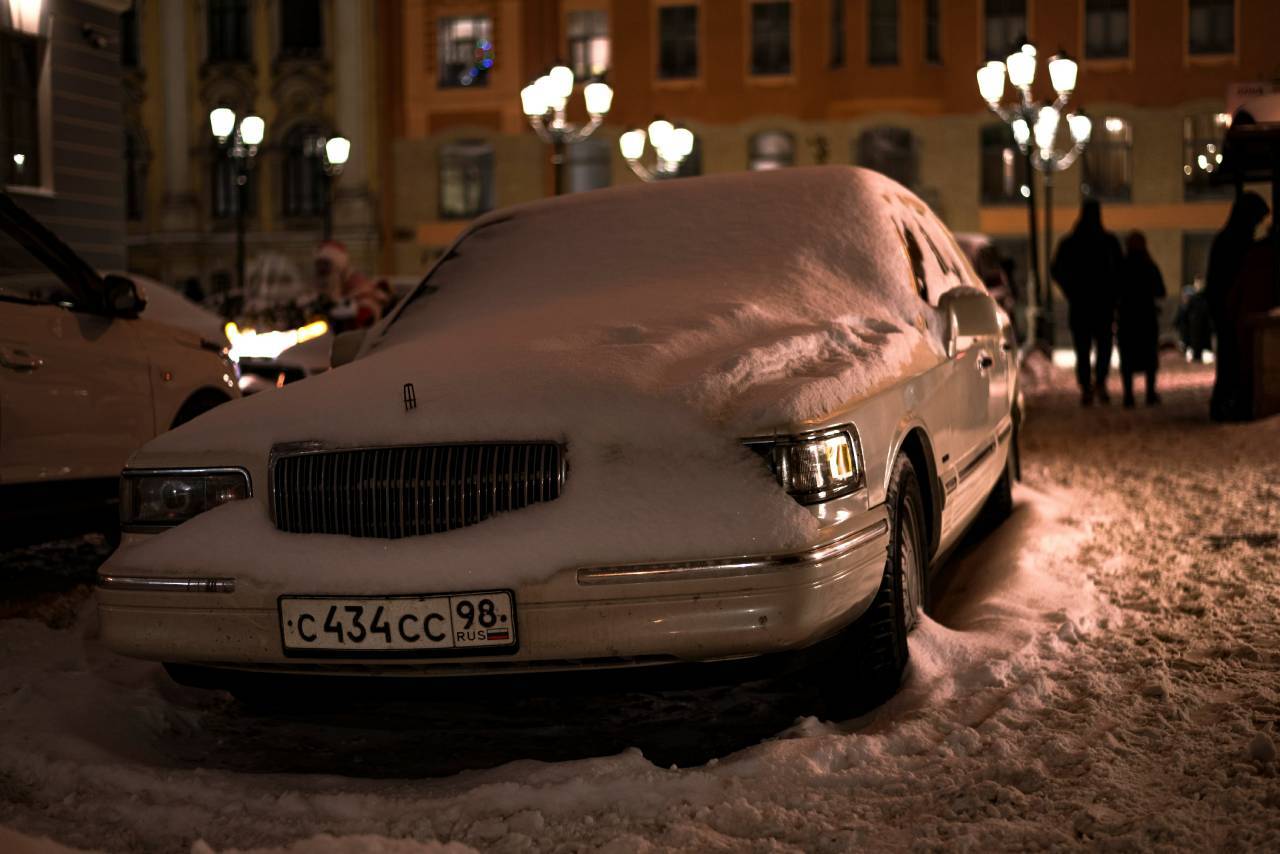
{"x": 1230, "y": 399}
{"x": 1138, "y": 317}
{"x": 1195, "y": 327}
{"x": 1087, "y": 268}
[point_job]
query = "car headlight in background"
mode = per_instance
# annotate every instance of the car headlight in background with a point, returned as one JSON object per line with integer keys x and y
{"x": 815, "y": 467}
{"x": 162, "y": 498}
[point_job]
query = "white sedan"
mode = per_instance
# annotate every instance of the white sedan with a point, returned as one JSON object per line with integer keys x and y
{"x": 85, "y": 381}
{"x": 725, "y": 418}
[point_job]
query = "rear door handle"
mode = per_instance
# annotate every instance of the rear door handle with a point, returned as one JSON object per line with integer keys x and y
{"x": 19, "y": 360}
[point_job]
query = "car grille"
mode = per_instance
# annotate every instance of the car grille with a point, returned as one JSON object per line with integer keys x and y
{"x": 410, "y": 491}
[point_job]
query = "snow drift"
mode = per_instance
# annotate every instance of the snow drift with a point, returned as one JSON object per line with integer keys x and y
{"x": 649, "y": 328}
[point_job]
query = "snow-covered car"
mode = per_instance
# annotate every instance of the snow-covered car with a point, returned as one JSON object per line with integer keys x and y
{"x": 723, "y": 418}
{"x": 84, "y": 381}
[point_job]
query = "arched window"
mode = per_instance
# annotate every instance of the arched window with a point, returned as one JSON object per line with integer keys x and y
{"x": 771, "y": 149}
{"x": 890, "y": 151}
{"x": 223, "y": 196}
{"x": 588, "y": 164}
{"x": 302, "y": 172}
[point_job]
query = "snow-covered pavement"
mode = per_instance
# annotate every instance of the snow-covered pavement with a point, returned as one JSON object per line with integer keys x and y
{"x": 1103, "y": 670}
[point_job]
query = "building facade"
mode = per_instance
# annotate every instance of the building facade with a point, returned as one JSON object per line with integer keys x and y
{"x": 882, "y": 83}
{"x": 60, "y": 128}
{"x": 308, "y": 68}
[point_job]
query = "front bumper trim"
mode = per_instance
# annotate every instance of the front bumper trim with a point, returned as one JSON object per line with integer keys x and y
{"x": 730, "y": 567}
{"x": 167, "y": 585}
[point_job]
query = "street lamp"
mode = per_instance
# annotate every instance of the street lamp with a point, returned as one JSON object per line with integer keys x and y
{"x": 334, "y": 152}
{"x": 238, "y": 141}
{"x": 544, "y": 102}
{"x": 671, "y": 147}
{"x": 1035, "y": 127}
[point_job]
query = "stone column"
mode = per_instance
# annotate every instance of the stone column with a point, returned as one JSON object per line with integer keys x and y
{"x": 180, "y": 207}
{"x": 353, "y": 98}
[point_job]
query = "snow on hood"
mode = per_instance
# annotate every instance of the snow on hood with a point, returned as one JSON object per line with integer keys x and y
{"x": 648, "y": 327}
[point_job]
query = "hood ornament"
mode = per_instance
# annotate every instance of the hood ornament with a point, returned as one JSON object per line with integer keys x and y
{"x": 410, "y": 398}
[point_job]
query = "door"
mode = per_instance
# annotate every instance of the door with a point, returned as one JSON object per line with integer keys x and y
{"x": 75, "y": 393}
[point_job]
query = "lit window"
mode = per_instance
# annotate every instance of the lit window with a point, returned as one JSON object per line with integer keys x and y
{"x": 677, "y": 42}
{"x": 1202, "y": 153}
{"x": 465, "y": 52}
{"x": 890, "y": 151}
{"x": 1106, "y": 29}
{"x": 1211, "y": 26}
{"x": 588, "y": 43}
{"x": 1005, "y": 25}
{"x": 20, "y": 59}
{"x": 1108, "y": 160}
{"x": 301, "y": 29}
{"x": 882, "y": 32}
{"x": 228, "y": 22}
{"x": 771, "y": 38}
{"x": 466, "y": 179}
{"x": 771, "y": 149}
{"x": 1004, "y": 167}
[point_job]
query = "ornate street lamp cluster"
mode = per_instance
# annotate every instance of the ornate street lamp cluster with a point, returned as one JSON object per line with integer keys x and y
{"x": 1036, "y": 130}
{"x": 671, "y": 146}
{"x": 544, "y": 102}
{"x": 238, "y": 138}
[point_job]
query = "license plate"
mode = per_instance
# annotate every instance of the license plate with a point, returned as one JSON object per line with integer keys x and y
{"x": 400, "y": 625}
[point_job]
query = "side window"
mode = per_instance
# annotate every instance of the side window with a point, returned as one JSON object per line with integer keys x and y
{"x": 916, "y": 258}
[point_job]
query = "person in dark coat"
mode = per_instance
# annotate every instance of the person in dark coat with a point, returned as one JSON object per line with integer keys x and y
{"x": 1087, "y": 267}
{"x": 1195, "y": 326}
{"x": 1138, "y": 316}
{"x": 1222, "y": 279}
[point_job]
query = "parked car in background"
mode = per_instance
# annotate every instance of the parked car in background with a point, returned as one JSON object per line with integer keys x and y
{"x": 746, "y": 428}
{"x": 84, "y": 381}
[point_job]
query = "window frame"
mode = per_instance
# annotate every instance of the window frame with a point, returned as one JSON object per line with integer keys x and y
{"x": 932, "y": 38}
{"x": 1194, "y": 188}
{"x": 290, "y": 155}
{"x": 756, "y": 156}
{"x": 912, "y": 152}
{"x": 445, "y": 45}
{"x": 1211, "y": 55}
{"x": 983, "y": 30}
{"x": 42, "y": 119}
{"x": 245, "y": 41}
{"x": 482, "y": 153}
{"x": 305, "y": 52}
{"x": 1103, "y": 142}
{"x": 874, "y": 59}
{"x": 1020, "y": 165}
{"x": 789, "y": 41}
{"x": 1129, "y": 32}
{"x": 586, "y": 42}
{"x": 661, "y": 78}
{"x": 837, "y": 33}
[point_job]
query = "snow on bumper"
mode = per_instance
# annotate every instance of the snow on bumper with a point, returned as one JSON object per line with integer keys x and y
{"x": 592, "y": 617}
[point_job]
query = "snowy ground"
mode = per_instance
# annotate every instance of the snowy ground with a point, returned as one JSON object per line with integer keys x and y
{"x": 1103, "y": 670}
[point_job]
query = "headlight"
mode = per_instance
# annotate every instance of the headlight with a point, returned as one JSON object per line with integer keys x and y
{"x": 815, "y": 467}
{"x": 162, "y": 498}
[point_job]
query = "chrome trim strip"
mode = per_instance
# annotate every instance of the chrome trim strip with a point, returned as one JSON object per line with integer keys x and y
{"x": 1005, "y": 431}
{"x": 729, "y": 567}
{"x": 167, "y": 585}
{"x": 977, "y": 460}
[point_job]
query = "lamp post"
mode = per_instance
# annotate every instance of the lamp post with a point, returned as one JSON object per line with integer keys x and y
{"x": 334, "y": 152}
{"x": 239, "y": 141}
{"x": 1035, "y": 126}
{"x": 671, "y": 146}
{"x": 544, "y": 102}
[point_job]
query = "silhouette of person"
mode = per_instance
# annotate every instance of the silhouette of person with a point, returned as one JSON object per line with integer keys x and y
{"x": 1195, "y": 326}
{"x": 1087, "y": 267}
{"x": 1231, "y": 399}
{"x": 1138, "y": 317}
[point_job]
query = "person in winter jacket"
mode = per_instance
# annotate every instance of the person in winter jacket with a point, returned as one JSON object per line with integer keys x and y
{"x": 1138, "y": 317}
{"x": 1230, "y": 399}
{"x": 1087, "y": 268}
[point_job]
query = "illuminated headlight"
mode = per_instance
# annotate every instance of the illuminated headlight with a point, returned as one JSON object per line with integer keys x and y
{"x": 815, "y": 467}
{"x": 162, "y": 498}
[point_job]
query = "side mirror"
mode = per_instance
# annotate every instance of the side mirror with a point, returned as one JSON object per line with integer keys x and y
{"x": 971, "y": 314}
{"x": 124, "y": 296}
{"x": 345, "y": 347}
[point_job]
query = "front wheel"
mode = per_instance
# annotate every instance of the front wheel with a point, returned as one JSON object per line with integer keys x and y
{"x": 876, "y": 645}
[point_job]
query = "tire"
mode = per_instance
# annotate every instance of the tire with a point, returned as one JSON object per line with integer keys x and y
{"x": 876, "y": 645}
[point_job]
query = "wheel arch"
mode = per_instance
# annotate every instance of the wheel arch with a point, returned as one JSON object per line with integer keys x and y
{"x": 198, "y": 402}
{"x": 916, "y": 444}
